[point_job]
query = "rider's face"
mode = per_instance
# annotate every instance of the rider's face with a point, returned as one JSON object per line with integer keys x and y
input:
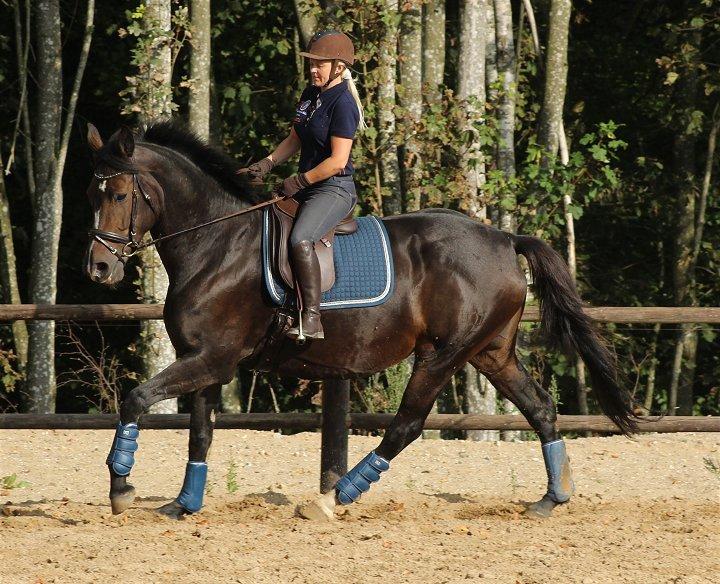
{"x": 320, "y": 71}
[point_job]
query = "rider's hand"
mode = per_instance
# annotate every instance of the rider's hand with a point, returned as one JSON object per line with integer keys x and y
{"x": 258, "y": 170}
{"x": 293, "y": 184}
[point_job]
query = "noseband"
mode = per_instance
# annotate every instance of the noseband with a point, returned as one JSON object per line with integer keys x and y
{"x": 130, "y": 245}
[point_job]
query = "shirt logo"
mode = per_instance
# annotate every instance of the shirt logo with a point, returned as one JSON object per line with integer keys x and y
{"x": 303, "y": 106}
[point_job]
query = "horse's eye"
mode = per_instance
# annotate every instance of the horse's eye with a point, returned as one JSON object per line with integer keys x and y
{"x": 120, "y": 197}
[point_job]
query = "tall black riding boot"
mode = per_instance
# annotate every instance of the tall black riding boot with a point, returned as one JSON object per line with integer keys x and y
{"x": 306, "y": 268}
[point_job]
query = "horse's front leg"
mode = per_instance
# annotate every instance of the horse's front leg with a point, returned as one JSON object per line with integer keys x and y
{"x": 202, "y": 422}
{"x": 187, "y": 374}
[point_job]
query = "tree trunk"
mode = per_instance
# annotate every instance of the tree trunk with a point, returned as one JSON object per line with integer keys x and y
{"x": 433, "y": 64}
{"x": 471, "y": 89}
{"x": 22, "y": 44}
{"x": 200, "y": 55}
{"x": 506, "y": 107}
{"x": 306, "y": 13}
{"x": 156, "y": 349}
{"x": 411, "y": 97}
{"x": 491, "y": 79}
{"x": 40, "y": 386}
{"x": 388, "y": 150}
{"x": 480, "y": 398}
{"x": 555, "y": 79}
{"x": 9, "y": 289}
{"x": 681, "y": 396}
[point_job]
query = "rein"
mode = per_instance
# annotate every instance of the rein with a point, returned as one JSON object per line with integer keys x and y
{"x": 130, "y": 245}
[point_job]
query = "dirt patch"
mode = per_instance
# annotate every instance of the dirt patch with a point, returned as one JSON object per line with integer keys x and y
{"x": 646, "y": 510}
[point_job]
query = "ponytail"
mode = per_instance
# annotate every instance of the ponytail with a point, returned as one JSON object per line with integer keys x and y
{"x": 354, "y": 92}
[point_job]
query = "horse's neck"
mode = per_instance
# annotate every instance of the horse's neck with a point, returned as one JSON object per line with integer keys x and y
{"x": 189, "y": 254}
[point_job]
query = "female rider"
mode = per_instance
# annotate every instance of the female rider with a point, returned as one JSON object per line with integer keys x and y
{"x": 323, "y": 129}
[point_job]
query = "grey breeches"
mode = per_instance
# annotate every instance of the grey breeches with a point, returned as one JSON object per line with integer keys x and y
{"x": 323, "y": 206}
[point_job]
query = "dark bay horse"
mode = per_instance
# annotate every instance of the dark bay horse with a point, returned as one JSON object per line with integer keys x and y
{"x": 459, "y": 298}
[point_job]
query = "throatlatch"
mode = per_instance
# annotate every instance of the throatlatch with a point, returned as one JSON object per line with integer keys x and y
{"x": 193, "y": 489}
{"x": 122, "y": 453}
{"x": 560, "y": 482}
{"x": 358, "y": 480}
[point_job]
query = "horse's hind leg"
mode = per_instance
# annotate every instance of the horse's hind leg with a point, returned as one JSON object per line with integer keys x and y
{"x": 427, "y": 380}
{"x": 536, "y": 404}
{"x": 187, "y": 374}
{"x": 202, "y": 422}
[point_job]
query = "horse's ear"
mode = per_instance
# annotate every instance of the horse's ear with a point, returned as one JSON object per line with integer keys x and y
{"x": 93, "y": 138}
{"x": 126, "y": 142}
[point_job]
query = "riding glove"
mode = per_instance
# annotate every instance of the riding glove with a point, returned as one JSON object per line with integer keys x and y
{"x": 293, "y": 184}
{"x": 259, "y": 169}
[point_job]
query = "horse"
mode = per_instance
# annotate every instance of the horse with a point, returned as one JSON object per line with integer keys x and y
{"x": 459, "y": 297}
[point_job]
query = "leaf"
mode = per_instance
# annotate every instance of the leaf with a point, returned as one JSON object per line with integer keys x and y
{"x": 671, "y": 78}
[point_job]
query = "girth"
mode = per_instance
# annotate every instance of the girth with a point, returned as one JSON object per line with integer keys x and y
{"x": 282, "y": 219}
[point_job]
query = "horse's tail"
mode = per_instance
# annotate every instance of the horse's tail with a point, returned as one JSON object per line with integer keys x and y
{"x": 568, "y": 327}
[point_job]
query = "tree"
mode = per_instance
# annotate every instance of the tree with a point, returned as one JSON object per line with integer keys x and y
{"x": 151, "y": 98}
{"x": 387, "y": 78}
{"x": 52, "y": 138}
{"x": 411, "y": 97}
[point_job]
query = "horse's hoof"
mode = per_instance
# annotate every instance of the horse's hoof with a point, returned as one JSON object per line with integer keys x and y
{"x": 173, "y": 510}
{"x": 541, "y": 509}
{"x": 321, "y": 509}
{"x": 122, "y": 501}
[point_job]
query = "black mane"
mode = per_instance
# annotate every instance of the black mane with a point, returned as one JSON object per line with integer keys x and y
{"x": 212, "y": 161}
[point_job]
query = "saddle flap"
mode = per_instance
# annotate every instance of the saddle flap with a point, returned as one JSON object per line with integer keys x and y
{"x": 283, "y": 216}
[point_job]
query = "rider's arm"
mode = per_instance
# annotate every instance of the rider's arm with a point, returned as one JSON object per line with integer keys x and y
{"x": 335, "y": 163}
{"x": 287, "y": 148}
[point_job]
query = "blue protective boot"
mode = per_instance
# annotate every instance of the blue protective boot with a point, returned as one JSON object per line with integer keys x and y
{"x": 557, "y": 464}
{"x": 122, "y": 453}
{"x": 358, "y": 480}
{"x": 193, "y": 489}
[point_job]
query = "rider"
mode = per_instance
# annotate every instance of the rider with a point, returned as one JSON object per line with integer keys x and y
{"x": 326, "y": 119}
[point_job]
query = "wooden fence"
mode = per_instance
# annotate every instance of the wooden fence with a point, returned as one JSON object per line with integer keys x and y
{"x": 336, "y": 419}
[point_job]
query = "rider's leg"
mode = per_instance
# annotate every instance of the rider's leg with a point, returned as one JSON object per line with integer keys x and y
{"x": 323, "y": 207}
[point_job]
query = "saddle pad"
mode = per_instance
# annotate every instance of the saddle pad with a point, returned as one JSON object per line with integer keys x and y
{"x": 364, "y": 272}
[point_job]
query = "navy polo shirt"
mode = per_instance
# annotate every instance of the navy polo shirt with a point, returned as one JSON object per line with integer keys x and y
{"x": 320, "y": 115}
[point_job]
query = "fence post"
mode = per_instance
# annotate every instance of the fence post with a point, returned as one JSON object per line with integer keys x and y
{"x": 334, "y": 442}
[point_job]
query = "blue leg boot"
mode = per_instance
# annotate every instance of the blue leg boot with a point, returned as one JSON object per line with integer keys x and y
{"x": 358, "y": 480}
{"x": 122, "y": 453}
{"x": 560, "y": 483}
{"x": 193, "y": 489}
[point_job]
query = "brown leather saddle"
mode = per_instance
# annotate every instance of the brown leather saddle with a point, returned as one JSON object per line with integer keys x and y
{"x": 282, "y": 218}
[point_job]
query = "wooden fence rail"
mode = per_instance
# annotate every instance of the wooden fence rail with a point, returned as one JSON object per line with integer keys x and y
{"x": 109, "y": 312}
{"x": 310, "y": 421}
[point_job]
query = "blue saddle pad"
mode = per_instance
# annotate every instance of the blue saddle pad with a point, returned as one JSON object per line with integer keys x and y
{"x": 364, "y": 272}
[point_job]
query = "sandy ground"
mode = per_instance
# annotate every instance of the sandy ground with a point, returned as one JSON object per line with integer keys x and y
{"x": 646, "y": 510}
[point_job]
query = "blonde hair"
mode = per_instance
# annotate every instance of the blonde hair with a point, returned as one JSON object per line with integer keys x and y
{"x": 354, "y": 92}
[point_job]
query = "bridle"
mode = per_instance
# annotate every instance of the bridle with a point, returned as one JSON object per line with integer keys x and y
{"x": 131, "y": 246}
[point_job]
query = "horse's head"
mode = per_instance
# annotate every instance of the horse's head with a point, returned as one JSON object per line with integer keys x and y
{"x": 125, "y": 200}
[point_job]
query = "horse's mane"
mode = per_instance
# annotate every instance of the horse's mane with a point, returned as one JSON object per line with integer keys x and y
{"x": 176, "y": 136}
{"x": 211, "y": 160}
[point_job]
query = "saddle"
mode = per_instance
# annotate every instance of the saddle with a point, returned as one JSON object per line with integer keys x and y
{"x": 282, "y": 218}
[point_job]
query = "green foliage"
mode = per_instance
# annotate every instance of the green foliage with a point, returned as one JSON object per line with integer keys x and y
{"x": 9, "y": 370}
{"x": 12, "y": 482}
{"x": 712, "y": 465}
{"x": 231, "y": 478}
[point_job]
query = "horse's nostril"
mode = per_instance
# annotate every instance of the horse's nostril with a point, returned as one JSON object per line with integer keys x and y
{"x": 100, "y": 271}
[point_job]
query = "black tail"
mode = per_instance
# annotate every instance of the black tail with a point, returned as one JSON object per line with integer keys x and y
{"x": 569, "y": 328}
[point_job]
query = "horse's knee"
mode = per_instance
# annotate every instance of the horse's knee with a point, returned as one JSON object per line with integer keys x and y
{"x": 133, "y": 405}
